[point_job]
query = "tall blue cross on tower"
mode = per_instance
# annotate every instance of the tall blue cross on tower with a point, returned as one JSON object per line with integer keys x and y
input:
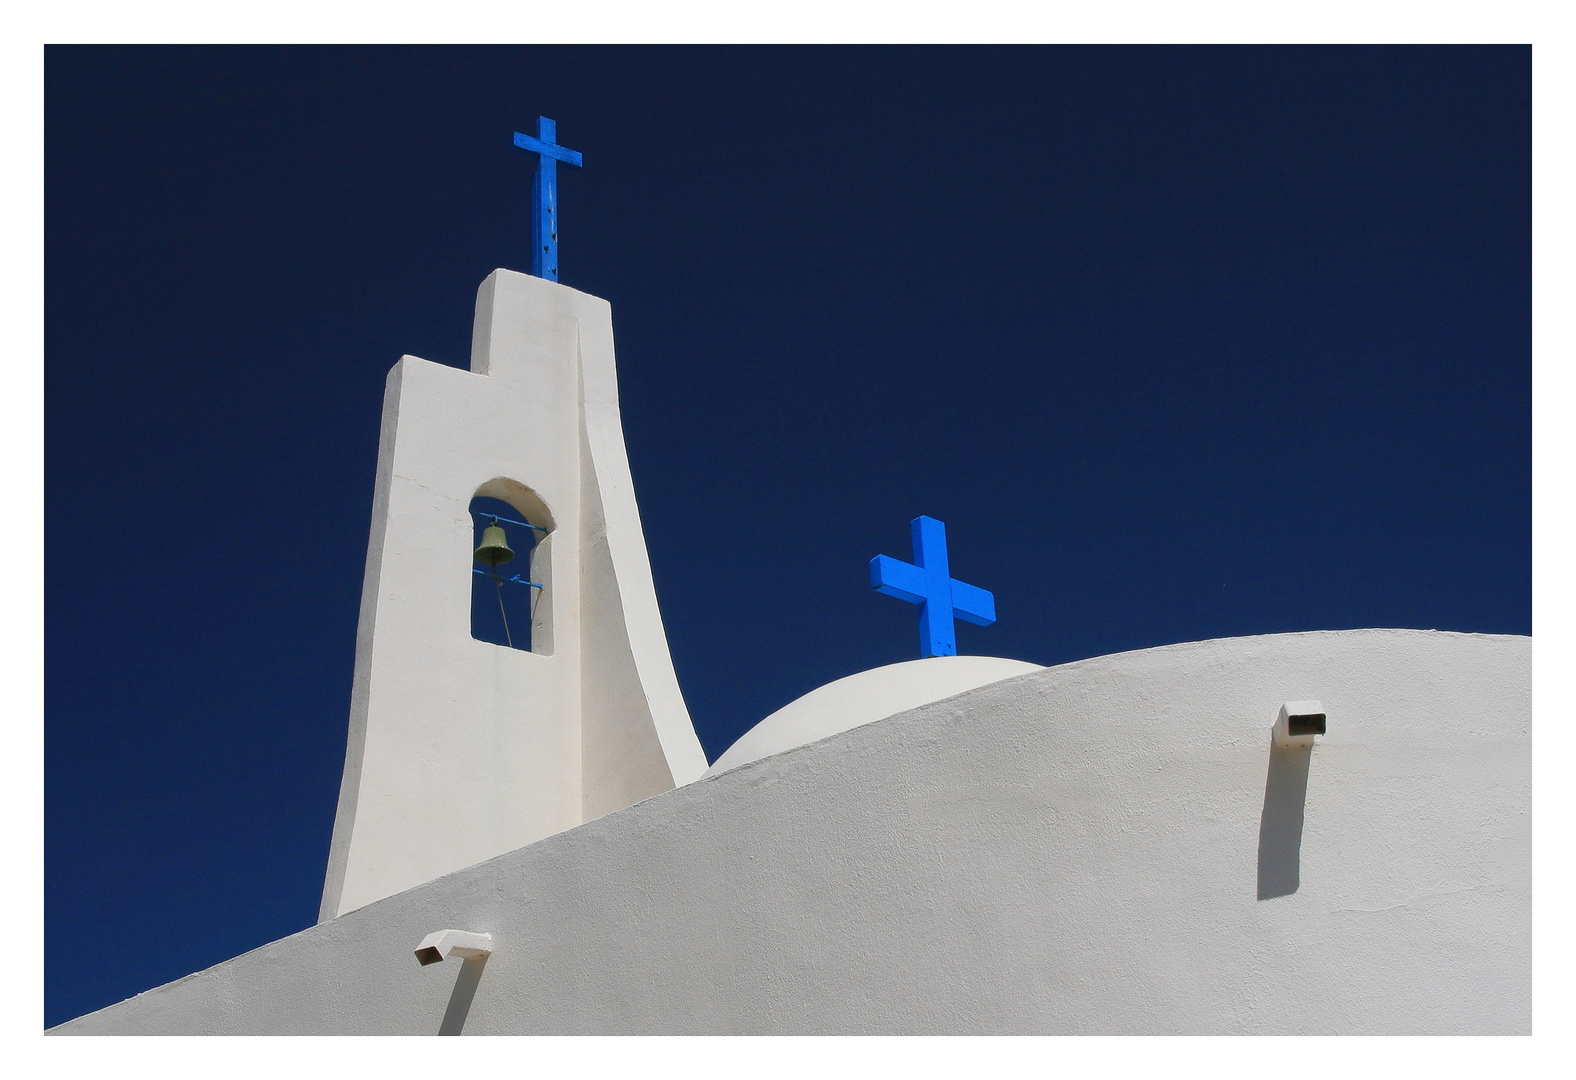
{"x": 544, "y": 194}
{"x": 928, "y": 582}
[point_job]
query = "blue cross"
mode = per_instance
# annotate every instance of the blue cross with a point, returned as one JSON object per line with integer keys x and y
{"x": 544, "y": 194}
{"x": 928, "y": 582}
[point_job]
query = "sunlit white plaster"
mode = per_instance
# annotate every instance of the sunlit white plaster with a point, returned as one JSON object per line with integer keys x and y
{"x": 1111, "y": 846}
{"x": 460, "y": 750}
{"x": 865, "y": 697}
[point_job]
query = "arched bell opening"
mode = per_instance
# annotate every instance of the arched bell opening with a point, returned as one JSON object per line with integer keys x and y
{"x": 511, "y": 569}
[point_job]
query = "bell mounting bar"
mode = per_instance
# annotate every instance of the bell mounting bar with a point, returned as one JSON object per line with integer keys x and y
{"x": 511, "y": 521}
{"x": 516, "y": 578}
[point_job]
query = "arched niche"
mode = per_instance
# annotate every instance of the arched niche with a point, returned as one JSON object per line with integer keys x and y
{"x": 499, "y": 598}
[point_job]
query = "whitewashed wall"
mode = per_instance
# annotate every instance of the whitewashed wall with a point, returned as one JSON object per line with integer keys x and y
{"x": 1078, "y": 849}
{"x": 458, "y": 749}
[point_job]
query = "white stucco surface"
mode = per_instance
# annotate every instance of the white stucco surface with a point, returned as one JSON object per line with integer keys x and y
{"x": 1077, "y": 849}
{"x": 863, "y": 698}
{"x": 458, "y": 749}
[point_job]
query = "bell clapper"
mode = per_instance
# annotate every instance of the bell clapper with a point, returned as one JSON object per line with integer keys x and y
{"x": 498, "y": 583}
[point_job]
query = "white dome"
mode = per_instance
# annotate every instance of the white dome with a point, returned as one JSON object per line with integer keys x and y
{"x": 863, "y": 698}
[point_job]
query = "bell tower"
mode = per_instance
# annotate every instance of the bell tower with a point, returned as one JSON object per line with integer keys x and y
{"x": 460, "y": 750}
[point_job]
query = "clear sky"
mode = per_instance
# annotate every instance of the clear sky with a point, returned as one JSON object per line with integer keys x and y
{"x": 1180, "y": 344}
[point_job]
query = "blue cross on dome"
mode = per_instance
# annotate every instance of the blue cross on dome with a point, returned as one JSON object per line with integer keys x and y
{"x": 544, "y": 194}
{"x": 928, "y": 582}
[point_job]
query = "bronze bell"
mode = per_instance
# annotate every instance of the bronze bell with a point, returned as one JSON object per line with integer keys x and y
{"x": 495, "y": 546}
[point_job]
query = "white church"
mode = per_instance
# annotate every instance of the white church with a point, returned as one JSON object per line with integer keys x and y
{"x": 1298, "y": 833}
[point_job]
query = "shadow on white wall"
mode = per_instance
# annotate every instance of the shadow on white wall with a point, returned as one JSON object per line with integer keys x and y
{"x": 464, "y": 993}
{"x": 1280, "y": 825}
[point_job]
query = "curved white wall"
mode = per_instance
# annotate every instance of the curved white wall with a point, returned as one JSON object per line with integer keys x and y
{"x": 863, "y": 698}
{"x": 1079, "y": 849}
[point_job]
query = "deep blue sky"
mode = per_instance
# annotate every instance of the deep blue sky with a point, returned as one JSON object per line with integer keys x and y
{"x": 1180, "y": 343}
